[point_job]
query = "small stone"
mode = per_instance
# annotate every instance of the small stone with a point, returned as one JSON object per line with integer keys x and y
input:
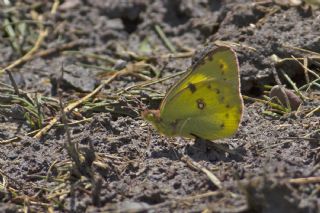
{"x": 282, "y": 94}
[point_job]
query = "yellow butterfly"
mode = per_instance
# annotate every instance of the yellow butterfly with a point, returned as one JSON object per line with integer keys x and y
{"x": 206, "y": 103}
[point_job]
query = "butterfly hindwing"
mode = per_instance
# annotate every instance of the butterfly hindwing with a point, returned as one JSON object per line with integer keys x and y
{"x": 206, "y": 102}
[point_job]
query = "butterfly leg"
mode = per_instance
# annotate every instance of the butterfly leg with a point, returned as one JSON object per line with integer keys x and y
{"x": 224, "y": 148}
{"x": 208, "y": 150}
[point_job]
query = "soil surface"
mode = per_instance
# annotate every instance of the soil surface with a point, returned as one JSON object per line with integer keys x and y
{"x": 104, "y": 62}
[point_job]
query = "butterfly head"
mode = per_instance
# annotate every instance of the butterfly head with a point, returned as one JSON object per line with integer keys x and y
{"x": 152, "y": 116}
{"x": 162, "y": 125}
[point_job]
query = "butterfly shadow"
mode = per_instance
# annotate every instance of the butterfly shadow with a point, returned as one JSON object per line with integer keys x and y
{"x": 210, "y": 151}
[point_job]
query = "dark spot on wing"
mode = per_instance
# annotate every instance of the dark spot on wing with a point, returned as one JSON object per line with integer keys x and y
{"x": 223, "y": 66}
{"x": 222, "y": 126}
{"x": 228, "y": 105}
{"x": 217, "y": 91}
{"x": 209, "y": 86}
{"x": 192, "y": 87}
{"x": 200, "y": 103}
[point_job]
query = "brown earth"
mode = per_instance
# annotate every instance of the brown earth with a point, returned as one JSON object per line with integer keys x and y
{"x": 118, "y": 162}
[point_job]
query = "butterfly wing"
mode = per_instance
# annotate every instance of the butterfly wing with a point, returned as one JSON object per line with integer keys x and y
{"x": 206, "y": 102}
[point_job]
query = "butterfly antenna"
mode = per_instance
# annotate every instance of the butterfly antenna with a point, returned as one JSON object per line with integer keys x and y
{"x": 140, "y": 106}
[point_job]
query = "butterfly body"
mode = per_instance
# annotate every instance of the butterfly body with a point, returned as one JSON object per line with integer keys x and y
{"x": 206, "y": 102}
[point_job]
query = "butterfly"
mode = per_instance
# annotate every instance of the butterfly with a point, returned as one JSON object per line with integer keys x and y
{"x": 206, "y": 103}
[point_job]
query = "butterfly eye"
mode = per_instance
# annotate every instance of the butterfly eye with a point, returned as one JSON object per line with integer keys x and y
{"x": 150, "y": 115}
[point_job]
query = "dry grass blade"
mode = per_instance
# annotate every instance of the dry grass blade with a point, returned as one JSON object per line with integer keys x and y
{"x": 210, "y": 175}
{"x": 306, "y": 180}
{"x": 164, "y": 38}
{"x": 71, "y": 106}
{"x": 43, "y": 32}
{"x": 278, "y": 107}
{"x": 313, "y": 111}
{"x": 28, "y": 55}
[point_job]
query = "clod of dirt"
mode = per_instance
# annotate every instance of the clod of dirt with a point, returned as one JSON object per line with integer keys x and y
{"x": 133, "y": 206}
{"x": 67, "y": 5}
{"x": 271, "y": 196}
{"x": 74, "y": 77}
{"x": 8, "y": 208}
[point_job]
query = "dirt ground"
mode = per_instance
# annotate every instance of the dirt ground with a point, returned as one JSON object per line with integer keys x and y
{"x": 106, "y": 61}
